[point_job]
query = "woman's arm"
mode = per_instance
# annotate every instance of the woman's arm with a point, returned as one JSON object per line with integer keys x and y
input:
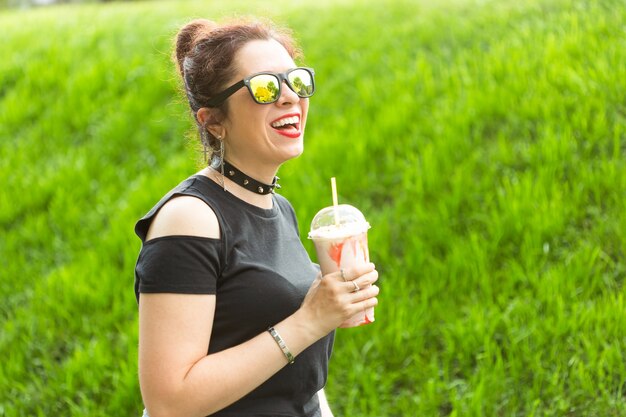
{"x": 177, "y": 377}
{"x": 324, "y": 404}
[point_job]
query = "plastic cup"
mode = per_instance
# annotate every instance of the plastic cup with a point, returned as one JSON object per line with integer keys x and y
{"x": 340, "y": 237}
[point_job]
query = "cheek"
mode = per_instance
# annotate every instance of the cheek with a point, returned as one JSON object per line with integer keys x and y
{"x": 250, "y": 119}
{"x": 305, "y": 108}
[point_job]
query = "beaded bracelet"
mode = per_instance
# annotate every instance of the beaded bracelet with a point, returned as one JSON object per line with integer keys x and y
{"x": 281, "y": 344}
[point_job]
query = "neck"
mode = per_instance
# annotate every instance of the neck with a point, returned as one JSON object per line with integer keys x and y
{"x": 246, "y": 185}
{"x": 263, "y": 201}
{"x": 259, "y": 172}
{"x": 247, "y": 181}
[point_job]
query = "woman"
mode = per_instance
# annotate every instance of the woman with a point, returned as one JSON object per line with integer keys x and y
{"x": 234, "y": 319}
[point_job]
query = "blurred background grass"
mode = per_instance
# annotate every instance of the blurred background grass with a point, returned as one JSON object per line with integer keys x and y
{"x": 484, "y": 141}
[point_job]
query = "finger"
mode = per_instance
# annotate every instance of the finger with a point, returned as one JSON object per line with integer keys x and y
{"x": 340, "y": 276}
{"x": 367, "y": 279}
{"x": 355, "y": 287}
{"x": 365, "y": 304}
{"x": 365, "y": 294}
{"x": 361, "y": 282}
{"x": 362, "y": 269}
{"x": 356, "y": 271}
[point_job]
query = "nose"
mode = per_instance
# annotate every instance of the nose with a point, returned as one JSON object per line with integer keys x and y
{"x": 287, "y": 95}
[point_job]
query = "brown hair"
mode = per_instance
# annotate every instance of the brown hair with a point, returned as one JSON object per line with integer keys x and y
{"x": 204, "y": 54}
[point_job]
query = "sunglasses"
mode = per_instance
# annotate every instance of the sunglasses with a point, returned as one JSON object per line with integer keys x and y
{"x": 265, "y": 87}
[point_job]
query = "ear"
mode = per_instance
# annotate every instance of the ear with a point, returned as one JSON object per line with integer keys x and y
{"x": 211, "y": 119}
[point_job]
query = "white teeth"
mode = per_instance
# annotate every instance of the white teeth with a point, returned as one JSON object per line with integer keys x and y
{"x": 286, "y": 121}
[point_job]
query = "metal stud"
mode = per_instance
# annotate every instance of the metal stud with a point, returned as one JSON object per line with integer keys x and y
{"x": 231, "y": 173}
{"x": 260, "y": 189}
{"x": 245, "y": 182}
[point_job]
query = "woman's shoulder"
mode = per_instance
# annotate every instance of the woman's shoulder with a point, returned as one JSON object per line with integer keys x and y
{"x": 184, "y": 215}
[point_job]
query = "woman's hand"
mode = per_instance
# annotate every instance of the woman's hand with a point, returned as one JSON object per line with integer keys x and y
{"x": 332, "y": 299}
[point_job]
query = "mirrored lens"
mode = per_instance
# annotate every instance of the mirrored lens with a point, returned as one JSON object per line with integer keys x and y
{"x": 264, "y": 88}
{"x": 301, "y": 82}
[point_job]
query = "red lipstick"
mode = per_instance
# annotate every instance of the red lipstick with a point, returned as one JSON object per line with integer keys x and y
{"x": 290, "y": 130}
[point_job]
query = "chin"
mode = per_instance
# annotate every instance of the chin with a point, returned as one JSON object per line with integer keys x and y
{"x": 293, "y": 153}
{"x": 290, "y": 149}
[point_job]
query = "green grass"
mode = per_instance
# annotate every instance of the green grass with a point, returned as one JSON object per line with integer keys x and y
{"x": 484, "y": 141}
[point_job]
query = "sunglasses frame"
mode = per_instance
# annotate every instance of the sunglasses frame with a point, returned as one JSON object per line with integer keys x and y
{"x": 282, "y": 76}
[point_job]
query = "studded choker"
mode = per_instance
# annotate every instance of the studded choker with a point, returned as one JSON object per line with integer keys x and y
{"x": 246, "y": 181}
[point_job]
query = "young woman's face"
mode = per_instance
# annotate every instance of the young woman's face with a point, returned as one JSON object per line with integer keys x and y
{"x": 253, "y": 132}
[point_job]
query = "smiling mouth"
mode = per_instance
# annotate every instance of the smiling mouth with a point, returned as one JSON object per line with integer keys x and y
{"x": 288, "y": 125}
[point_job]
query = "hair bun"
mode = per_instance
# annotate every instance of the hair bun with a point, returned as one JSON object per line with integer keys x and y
{"x": 188, "y": 36}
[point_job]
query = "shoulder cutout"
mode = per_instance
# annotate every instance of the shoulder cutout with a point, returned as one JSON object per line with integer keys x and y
{"x": 187, "y": 216}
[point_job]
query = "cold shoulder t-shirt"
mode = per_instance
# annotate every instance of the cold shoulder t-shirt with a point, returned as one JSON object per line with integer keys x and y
{"x": 259, "y": 272}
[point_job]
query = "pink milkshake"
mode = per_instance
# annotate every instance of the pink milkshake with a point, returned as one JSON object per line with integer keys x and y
{"x": 339, "y": 233}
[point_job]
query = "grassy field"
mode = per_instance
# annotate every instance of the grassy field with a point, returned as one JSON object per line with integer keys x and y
{"x": 484, "y": 140}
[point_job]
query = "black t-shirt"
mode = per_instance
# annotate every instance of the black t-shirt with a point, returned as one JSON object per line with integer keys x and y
{"x": 259, "y": 272}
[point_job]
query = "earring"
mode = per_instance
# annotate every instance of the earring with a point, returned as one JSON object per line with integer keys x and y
{"x": 221, "y": 160}
{"x": 204, "y": 136}
{"x": 221, "y": 150}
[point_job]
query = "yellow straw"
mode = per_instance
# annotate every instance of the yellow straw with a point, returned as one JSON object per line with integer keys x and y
{"x": 333, "y": 186}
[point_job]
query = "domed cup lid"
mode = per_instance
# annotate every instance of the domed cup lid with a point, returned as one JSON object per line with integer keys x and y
{"x": 338, "y": 221}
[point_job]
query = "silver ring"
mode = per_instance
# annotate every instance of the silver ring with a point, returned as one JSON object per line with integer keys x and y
{"x": 356, "y": 286}
{"x": 342, "y": 275}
